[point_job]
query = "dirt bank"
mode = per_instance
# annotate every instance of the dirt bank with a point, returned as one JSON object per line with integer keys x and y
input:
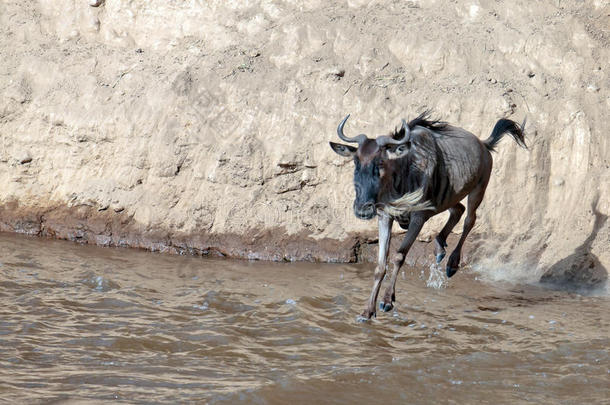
{"x": 199, "y": 121}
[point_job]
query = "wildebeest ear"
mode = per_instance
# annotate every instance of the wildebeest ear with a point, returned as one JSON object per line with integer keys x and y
{"x": 398, "y": 151}
{"x": 343, "y": 150}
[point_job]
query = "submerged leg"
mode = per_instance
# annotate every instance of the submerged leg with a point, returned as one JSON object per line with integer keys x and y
{"x": 455, "y": 213}
{"x": 474, "y": 200}
{"x": 385, "y": 233}
{"x": 417, "y": 222}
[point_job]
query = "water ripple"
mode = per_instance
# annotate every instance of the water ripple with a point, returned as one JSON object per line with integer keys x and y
{"x": 82, "y": 324}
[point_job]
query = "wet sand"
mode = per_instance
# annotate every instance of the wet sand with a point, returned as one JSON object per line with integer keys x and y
{"x": 80, "y": 324}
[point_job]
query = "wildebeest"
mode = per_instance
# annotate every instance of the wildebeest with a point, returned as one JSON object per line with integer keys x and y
{"x": 416, "y": 172}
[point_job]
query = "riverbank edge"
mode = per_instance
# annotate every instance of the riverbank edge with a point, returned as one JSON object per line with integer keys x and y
{"x": 88, "y": 225}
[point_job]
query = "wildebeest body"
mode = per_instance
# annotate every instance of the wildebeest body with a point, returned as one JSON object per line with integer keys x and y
{"x": 424, "y": 168}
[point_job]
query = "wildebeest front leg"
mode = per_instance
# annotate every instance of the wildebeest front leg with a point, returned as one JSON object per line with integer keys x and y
{"x": 417, "y": 222}
{"x": 385, "y": 233}
{"x": 455, "y": 213}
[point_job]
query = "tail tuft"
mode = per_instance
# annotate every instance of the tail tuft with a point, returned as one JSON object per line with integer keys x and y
{"x": 506, "y": 126}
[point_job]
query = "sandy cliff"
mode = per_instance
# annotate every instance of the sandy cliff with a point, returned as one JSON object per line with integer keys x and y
{"x": 204, "y": 126}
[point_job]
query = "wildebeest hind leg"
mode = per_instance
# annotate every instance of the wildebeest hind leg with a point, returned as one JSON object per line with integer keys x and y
{"x": 474, "y": 200}
{"x": 455, "y": 213}
{"x": 417, "y": 222}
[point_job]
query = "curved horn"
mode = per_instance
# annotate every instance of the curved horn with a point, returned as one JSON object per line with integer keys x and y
{"x": 359, "y": 138}
{"x": 388, "y": 140}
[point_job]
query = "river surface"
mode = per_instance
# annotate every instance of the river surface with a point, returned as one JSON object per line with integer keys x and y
{"x": 81, "y": 324}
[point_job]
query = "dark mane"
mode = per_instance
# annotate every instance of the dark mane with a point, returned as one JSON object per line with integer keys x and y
{"x": 423, "y": 120}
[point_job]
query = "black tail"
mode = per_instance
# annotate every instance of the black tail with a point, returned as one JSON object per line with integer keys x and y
{"x": 506, "y": 126}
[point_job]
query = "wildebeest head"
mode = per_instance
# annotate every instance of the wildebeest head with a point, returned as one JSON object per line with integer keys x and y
{"x": 370, "y": 159}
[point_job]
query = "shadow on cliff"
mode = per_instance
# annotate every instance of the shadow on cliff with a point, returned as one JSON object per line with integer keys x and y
{"x": 581, "y": 271}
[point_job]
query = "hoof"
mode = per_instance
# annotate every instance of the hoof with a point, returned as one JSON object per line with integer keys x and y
{"x": 451, "y": 271}
{"x": 440, "y": 257}
{"x": 365, "y": 316}
{"x": 387, "y": 307}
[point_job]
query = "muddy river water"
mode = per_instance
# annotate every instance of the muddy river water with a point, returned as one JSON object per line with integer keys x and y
{"x": 80, "y": 324}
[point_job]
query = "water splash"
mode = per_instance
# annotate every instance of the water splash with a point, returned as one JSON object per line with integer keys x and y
{"x": 204, "y": 307}
{"x": 437, "y": 278}
{"x": 99, "y": 283}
